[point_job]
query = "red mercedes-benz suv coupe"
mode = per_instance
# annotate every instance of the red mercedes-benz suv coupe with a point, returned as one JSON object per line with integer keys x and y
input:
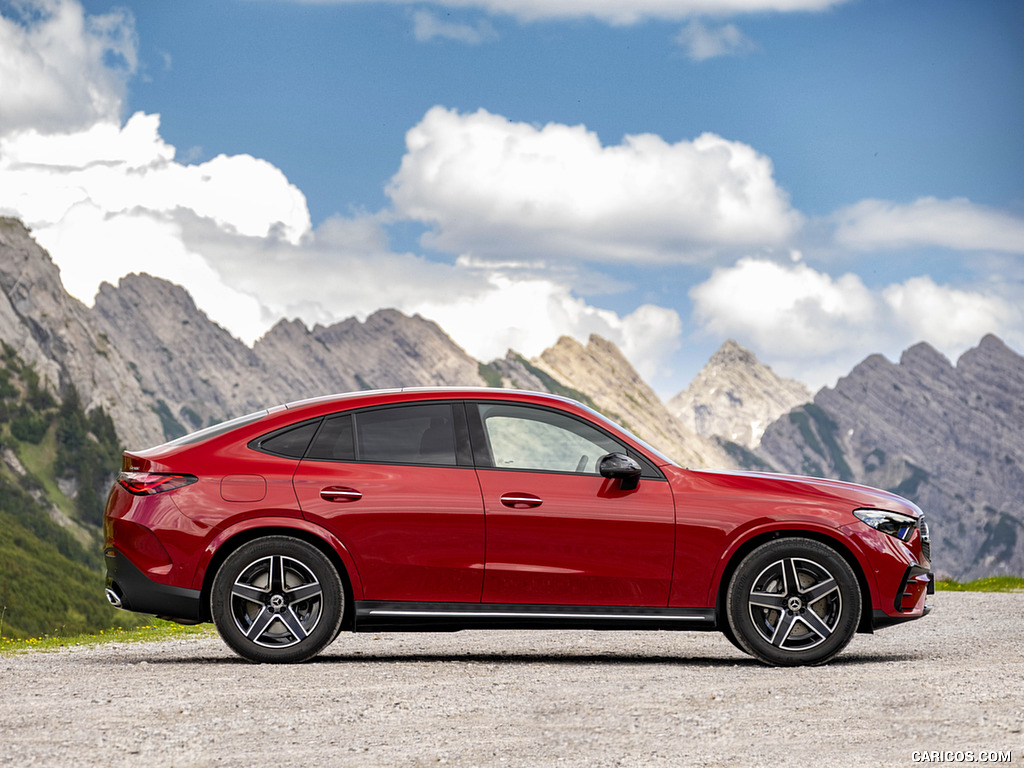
{"x": 450, "y": 509}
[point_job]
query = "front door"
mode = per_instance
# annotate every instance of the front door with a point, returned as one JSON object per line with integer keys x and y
{"x": 557, "y": 532}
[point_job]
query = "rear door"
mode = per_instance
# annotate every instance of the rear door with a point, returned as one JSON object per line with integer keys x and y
{"x": 397, "y": 488}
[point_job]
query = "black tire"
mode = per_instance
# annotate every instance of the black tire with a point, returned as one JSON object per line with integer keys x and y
{"x": 277, "y": 599}
{"x": 793, "y": 602}
{"x": 731, "y": 637}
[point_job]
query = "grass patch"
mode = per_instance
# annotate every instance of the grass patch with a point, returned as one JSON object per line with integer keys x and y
{"x": 39, "y": 460}
{"x": 157, "y": 629}
{"x": 987, "y": 584}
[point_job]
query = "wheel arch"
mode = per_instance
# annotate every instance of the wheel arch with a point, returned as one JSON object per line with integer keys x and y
{"x": 230, "y": 541}
{"x": 753, "y": 542}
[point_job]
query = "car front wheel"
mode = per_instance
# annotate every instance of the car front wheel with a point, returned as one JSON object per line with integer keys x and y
{"x": 277, "y": 599}
{"x": 793, "y": 601}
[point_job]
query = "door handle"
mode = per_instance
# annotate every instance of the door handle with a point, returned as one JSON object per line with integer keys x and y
{"x": 521, "y": 500}
{"x": 340, "y": 493}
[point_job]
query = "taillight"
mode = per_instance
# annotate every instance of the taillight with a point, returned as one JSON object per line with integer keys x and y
{"x": 148, "y": 483}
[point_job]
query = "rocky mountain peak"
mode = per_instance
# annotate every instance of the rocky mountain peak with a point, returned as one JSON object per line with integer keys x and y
{"x": 54, "y": 333}
{"x": 191, "y": 366}
{"x": 948, "y": 438}
{"x": 732, "y": 354}
{"x": 600, "y": 370}
{"x": 924, "y": 359}
{"x": 736, "y": 397}
{"x": 990, "y": 354}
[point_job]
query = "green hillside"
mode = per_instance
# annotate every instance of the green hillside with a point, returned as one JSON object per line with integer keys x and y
{"x": 57, "y": 464}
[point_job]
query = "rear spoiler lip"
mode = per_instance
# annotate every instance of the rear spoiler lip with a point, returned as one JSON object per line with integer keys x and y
{"x": 131, "y": 462}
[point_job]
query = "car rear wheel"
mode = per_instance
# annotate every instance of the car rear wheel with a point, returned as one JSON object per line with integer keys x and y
{"x": 277, "y": 599}
{"x": 793, "y": 601}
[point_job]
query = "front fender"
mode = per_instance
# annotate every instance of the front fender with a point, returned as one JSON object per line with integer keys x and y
{"x": 748, "y": 537}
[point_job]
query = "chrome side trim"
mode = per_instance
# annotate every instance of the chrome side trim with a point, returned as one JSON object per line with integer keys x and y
{"x": 515, "y": 615}
{"x": 405, "y": 615}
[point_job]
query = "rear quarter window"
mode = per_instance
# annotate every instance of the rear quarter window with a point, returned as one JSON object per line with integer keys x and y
{"x": 291, "y": 442}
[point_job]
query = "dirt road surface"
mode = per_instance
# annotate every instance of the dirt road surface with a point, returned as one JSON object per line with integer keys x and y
{"x": 951, "y": 683}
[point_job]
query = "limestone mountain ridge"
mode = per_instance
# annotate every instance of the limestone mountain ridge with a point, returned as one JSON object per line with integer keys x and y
{"x": 948, "y": 437}
{"x": 735, "y": 397}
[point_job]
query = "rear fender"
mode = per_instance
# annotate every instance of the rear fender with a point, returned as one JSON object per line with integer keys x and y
{"x": 246, "y": 530}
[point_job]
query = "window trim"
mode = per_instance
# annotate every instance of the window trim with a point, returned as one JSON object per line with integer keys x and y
{"x": 463, "y": 450}
{"x": 472, "y": 446}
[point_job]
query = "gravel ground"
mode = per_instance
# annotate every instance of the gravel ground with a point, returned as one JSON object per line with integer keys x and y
{"x": 951, "y": 682}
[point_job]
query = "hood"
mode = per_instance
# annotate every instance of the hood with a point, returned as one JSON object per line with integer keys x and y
{"x": 859, "y": 496}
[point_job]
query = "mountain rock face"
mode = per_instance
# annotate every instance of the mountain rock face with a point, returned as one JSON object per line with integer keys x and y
{"x": 616, "y": 389}
{"x": 197, "y": 373}
{"x": 735, "y": 397}
{"x": 516, "y": 372}
{"x": 950, "y": 438}
{"x": 194, "y": 371}
{"x": 55, "y": 334}
{"x": 388, "y": 350}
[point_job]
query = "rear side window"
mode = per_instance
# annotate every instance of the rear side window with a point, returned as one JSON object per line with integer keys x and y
{"x": 414, "y": 434}
{"x": 335, "y": 442}
{"x": 423, "y": 433}
{"x": 290, "y": 441}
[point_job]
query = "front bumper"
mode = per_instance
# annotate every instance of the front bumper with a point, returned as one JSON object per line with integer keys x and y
{"x": 135, "y": 591}
{"x": 917, "y": 583}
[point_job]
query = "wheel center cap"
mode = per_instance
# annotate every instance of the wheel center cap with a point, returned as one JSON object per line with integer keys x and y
{"x": 795, "y": 604}
{"x": 277, "y": 603}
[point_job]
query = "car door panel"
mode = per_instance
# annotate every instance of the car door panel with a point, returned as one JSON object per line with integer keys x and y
{"x": 586, "y": 542}
{"x": 415, "y": 533}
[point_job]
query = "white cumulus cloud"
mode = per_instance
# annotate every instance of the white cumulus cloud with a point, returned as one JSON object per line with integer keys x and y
{"x": 108, "y": 199}
{"x": 112, "y": 199}
{"x": 347, "y": 269}
{"x": 492, "y": 187}
{"x": 790, "y": 308}
{"x": 61, "y": 69}
{"x": 521, "y": 313}
{"x": 957, "y": 224}
{"x": 815, "y": 327}
{"x": 950, "y": 318}
{"x": 120, "y": 168}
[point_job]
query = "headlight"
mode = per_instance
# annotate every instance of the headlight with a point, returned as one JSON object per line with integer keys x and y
{"x": 892, "y": 523}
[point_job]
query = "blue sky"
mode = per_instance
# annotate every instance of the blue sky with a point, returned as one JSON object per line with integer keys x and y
{"x": 871, "y": 99}
{"x": 819, "y": 183}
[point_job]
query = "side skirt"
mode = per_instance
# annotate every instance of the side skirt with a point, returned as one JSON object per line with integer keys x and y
{"x": 399, "y": 616}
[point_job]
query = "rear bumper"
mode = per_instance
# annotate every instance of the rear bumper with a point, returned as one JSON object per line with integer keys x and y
{"x": 137, "y": 592}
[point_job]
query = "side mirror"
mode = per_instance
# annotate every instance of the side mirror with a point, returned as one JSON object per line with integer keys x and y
{"x": 622, "y": 467}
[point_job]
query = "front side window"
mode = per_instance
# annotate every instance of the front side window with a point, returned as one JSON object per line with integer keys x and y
{"x": 521, "y": 437}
